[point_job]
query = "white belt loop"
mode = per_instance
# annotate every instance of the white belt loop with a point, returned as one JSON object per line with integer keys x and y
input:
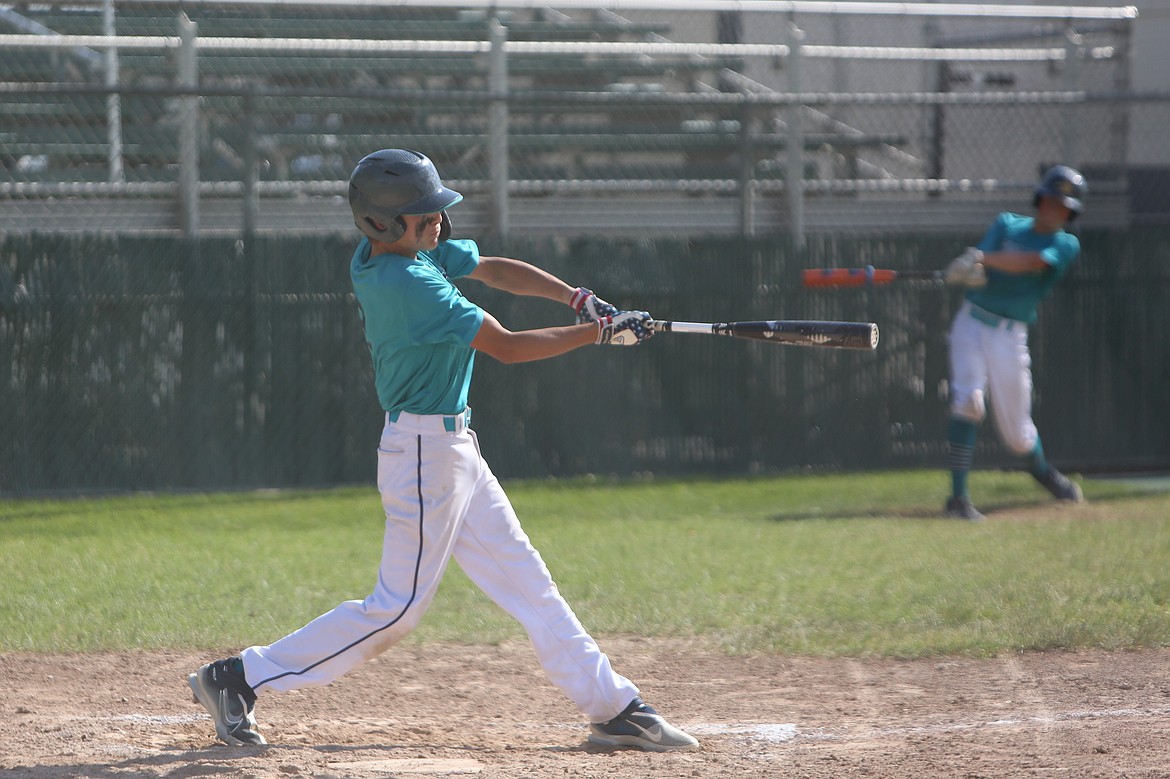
{"x": 436, "y": 424}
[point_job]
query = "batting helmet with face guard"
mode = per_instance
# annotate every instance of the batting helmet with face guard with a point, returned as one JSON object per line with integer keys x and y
{"x": 1065, "y": 184}
{"x": 392, "y": 182}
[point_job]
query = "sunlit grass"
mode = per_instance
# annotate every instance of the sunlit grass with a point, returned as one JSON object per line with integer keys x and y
{"x": 856, "y": 564}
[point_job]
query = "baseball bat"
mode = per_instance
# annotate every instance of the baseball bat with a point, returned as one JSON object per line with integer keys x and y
{"x": 868, "y": 276}
{"x": 790, "y": 332}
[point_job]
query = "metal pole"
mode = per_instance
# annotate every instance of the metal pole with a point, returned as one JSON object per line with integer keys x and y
{"x": 794, "y": 175}
{"x": 747, "y": 174}
{"x": 113, "y": 100}
{"x": 498, "y": 130}
{"x": 1119, "y": 119}
{"x": 940, "y": 73}
{"x": 251, "y": 204}
{"x": 188, "y": 129}
{"x": 1070, "y": 130}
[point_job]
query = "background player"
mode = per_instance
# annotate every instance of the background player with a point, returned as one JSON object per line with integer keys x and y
{"x": 1011, "y": 270}
{"x": 440, "y": 498}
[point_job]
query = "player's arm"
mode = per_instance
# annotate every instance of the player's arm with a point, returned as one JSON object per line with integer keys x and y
{"x": 520, "y": 278}
{"x": 970, "y": 268}
{"x": 528, "y": 345}
{"x": 1015, "y": 262}
{"x": 627, "y": 328}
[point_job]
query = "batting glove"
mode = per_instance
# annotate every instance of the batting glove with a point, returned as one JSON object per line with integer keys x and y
{"x": 626, "y": 328}
{"x": 589, "y": 307}
{"x": 967, "y": 269}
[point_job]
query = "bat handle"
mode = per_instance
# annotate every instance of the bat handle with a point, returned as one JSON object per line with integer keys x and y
{"x": 667, "y": 326}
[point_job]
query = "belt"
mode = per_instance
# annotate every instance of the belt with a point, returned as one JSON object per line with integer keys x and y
{"x": 452, "y": 424}
{"x": 992, "y": 320}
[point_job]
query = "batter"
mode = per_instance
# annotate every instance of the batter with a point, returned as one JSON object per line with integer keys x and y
{"x": 440, "y": 498}
{"x": 1012, "y": 269}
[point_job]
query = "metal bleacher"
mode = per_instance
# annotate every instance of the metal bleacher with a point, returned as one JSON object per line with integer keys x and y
{"x": 300, "y": 116}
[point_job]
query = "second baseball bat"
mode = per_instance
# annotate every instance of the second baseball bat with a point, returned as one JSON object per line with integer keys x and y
{"x": 790, "y": 332}
{"x": 864, "y": 277}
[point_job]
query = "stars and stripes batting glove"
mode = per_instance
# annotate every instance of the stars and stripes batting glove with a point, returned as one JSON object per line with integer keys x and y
{"x": 626, "y": 328}
{"x": 589, "y": 307}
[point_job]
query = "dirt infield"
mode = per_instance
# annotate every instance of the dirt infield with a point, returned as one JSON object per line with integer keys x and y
{"x": 426, "y": 711}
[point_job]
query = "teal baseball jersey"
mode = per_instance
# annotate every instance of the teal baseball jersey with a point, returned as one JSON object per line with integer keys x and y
{"x": 419, "y": 326}
{"x": 1016, "y": 295}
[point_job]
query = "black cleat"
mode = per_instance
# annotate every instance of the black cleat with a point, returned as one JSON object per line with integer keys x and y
{"x": 961, "y": 508}
{"x": 640, "y": 726}
{"x": 1061, "y": 486}
{"x": 229, "y": 700}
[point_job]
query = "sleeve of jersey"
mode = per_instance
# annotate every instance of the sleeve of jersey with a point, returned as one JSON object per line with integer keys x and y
{"x": 1062, "y": 253}
{"x": 437, "y": 313}
{"x": 458, "y": 258}
{"x": 993, "y": 239}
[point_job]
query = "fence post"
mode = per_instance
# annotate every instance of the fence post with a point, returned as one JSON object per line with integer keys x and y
{"x": 498, "y": 130}
{"x": 1070, "y": 130}
{"x": 939, "y": 80}
{"x": 113, "y": 99}
{"x": 188, "y": 129}
{"x": 794, "y": 175}
{"x": 1119, "y": 123}
{"x": 747, "y": 176}
{"x": 251, "y": 204}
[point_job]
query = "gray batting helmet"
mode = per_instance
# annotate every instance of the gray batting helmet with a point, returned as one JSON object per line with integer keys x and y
{"x": 1065, "y": 184}
{"x": 392, "y": 182}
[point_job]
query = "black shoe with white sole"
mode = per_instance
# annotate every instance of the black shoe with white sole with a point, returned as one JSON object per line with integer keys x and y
{"x": 641, "y": 726}
{"x": 229, "y": 700}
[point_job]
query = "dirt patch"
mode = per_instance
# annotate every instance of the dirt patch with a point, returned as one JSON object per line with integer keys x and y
{"x": 426, "y": 711}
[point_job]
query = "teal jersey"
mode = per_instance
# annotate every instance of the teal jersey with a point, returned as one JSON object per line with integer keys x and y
{"x": 1016, "y": 295}
{"x": 418, "y": 325}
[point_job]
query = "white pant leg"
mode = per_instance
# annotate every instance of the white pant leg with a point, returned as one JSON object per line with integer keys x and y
{"x": 1010, "y": 376}
{"x": 969, "y": 367}
{"x": 426, "y": 482}
{"x": 495, "y": 553}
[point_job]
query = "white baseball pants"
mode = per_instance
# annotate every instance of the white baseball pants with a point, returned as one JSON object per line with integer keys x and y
{"x": 442, "y": 501}
{"x": 993, "y": 357}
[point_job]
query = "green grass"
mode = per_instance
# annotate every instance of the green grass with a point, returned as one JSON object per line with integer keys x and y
{"x": 853, "y": 564}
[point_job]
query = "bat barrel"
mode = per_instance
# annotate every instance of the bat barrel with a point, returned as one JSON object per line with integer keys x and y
{"x": 832, "y": 335}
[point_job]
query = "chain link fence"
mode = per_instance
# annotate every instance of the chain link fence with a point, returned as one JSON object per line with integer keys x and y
{"x": 174, "y": 309}
{"x": 147, "y": 363}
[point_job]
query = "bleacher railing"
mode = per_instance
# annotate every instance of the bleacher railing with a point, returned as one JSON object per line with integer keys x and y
{"x": 757, "y": 134}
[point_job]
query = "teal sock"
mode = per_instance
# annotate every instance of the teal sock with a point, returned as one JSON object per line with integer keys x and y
{"x": 1037, "y": 462}
{"x": 961, "y": 436}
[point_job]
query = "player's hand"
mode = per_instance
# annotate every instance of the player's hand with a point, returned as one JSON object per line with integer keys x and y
{"x": 966, "y": 270}
{"x": 589, "y": 307}
{"x": 626, "y": 328}
{"x": 976, "y": 277}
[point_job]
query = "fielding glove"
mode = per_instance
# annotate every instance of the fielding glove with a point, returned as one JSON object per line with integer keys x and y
{"x": 589, "y": 307}
{"x": 967, "y": 269}
{"x": 626, "y": 328}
